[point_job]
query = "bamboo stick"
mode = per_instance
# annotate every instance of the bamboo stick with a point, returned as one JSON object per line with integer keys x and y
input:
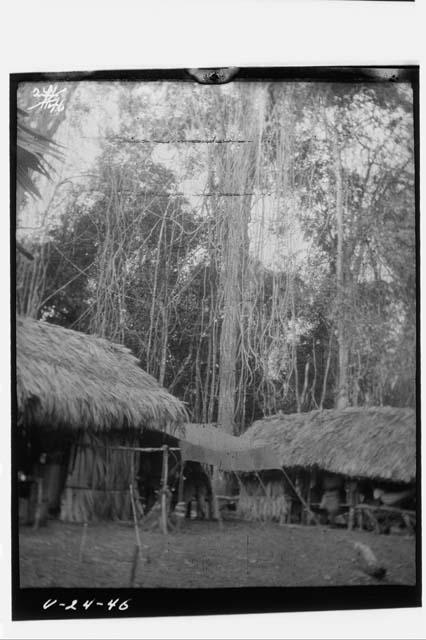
{"x": 135, "y": 520}
{"x": 351, "y": 518}
{"x": 164, "y": 475}
{"x": 308, "y": 510}
{"x": 147, "y": 449}
{"x": 180, "y": 508}
{"x": 39, "y": 503}
{"x": 132, "y": 470}
{"x": 216, "y": 509}
{"x": 123, "y": 448}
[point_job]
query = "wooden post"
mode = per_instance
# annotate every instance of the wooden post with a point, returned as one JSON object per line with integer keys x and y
{"x": 350, "y": 500}
{"x": 359, "y": 518}
{"x": 39, "y": 503}
{"x": 299, "y": 494}
{"x": 308, "y": 501}
{"x": 181, "y": 506}
{"x": 351, "y": 518}
{"x": 164, "y": 475}
{"x": 138, "y": 547}
{"x": 135, "y": 519}
{"x": 289, "y": 510}
{"x": 132, "y": 467}
{"x": 214, "y": 478}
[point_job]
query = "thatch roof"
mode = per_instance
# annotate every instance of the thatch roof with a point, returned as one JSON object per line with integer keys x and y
{"x": 67, "y": 379}
{"x": 376, "y": 442}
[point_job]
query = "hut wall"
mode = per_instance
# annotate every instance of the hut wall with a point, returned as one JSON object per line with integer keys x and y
{"x": 97, "y": 484}
{"x": 265, "y": 500}
{"x": 269, "y": 496}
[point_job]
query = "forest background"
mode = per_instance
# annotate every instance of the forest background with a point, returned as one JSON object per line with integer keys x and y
{"x": 252, "y": 243}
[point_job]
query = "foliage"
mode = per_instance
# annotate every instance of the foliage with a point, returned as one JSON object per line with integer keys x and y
{"x": 31, "y": 151}
{"x": 203, "y": 235}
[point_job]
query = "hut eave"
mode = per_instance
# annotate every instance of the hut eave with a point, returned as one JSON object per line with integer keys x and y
{"x": 67, "y": 379}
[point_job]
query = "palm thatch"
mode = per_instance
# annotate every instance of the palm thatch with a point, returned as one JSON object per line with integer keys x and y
{"x": 32, "y": 148}
{"x": 277, "y": 431}
{"x": 98, "y": 479}
{"x": 376, "y": 442}
{"x": 67, "y": 379}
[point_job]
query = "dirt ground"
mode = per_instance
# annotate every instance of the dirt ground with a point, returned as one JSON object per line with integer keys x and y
{"x": 239, "y": 554}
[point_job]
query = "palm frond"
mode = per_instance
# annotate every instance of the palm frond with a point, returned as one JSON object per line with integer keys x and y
{"x": 31, "y": 151}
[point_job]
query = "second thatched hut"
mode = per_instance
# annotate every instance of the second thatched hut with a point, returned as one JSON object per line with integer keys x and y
{"x": 334, "y": 458}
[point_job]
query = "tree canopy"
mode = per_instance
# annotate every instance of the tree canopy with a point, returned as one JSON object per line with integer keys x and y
{"x": 252, "y": 243}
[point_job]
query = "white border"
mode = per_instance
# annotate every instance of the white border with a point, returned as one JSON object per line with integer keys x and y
{"x": 131, "y": 34}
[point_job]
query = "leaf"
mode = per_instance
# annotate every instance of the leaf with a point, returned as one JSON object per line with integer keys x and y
{"x": 31, "y": 151}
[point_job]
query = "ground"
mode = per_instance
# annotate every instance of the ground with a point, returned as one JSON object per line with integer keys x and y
{"x": 203, "y": 554}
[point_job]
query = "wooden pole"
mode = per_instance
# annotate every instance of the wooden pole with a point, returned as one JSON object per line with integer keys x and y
{"x": 145, "y": 449}
{"x": 39, "y": 503}
{"x": 135, "y": 519}
{"x": 214, "y": 479}
{"x": 164, "y": 475}
{"x": 132, "y": 467}
{"x": 351, "y": 518}
{"x": 350, "y": 500}
{"x": 307, "y": 512}
{"x": 138, "y": 547}
{"x": 180, "y": 507}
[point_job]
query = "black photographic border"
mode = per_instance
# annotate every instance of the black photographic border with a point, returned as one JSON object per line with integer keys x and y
{"x": 27, "y": 604}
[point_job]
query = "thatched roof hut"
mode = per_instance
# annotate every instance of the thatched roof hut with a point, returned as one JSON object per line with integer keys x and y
{"x": 376, "y": 442}
{"x": 70, "y": 380}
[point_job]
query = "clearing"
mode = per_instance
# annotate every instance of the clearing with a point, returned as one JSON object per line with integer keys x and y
{"x": 201, "y": 554}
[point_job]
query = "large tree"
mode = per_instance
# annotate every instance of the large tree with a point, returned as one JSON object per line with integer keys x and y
{"x": 254, "y": 246}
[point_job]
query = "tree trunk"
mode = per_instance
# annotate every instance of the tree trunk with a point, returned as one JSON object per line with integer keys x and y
{"x": 229, "y": 335}
{"x": 237, "y": 171}
{"x": 164, "y": 344}
{"x": 342, "y": 393}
